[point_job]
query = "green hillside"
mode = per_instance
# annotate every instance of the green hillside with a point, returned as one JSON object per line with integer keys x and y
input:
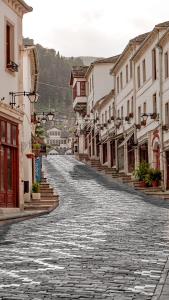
{"x": 54, "y": 70}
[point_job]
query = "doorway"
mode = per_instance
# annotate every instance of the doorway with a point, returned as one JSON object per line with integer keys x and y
{"x": 9, "y": 169}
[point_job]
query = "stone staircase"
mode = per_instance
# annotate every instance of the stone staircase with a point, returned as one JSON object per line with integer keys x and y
{"x": 83, "y": 157}
{"x": 48, "y": 202}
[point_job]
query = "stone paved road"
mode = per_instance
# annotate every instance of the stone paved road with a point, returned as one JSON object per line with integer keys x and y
{"x": 104, "y": 242}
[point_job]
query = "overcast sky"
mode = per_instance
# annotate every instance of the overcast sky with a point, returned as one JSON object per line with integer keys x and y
{"x": 99, "y": 28}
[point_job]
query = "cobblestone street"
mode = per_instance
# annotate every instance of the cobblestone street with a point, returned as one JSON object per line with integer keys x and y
{"x": 105, "y": 241}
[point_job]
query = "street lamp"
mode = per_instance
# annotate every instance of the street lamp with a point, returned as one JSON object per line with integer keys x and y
{"x": 38, "y": 122}
{"x": 50, "y": 116}
{"x": 153, "y": 116}
{"x": 32, "y": 96}
{"x": 43, "y": 120}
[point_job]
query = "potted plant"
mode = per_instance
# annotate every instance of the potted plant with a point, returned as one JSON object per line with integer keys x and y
{"x": 148, "y": 180}
{"x": 141, "y": 172}
{"x": 36, "y": 191}
{"x": 155, "y": 175}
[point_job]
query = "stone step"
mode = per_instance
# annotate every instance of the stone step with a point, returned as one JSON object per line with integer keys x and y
{"x": 46, "y": 190}
{"x": 48, "y": 195}
{"x": 37, "y": 207}
{"x": 115, "y": 176}
{"x": 108, "y": 171}
{"x": 41, "y": 202}
{"x": 158, "y": 194}
{"x": 127, "y": 180}
{"x": 149, "y": 189}
{"x": 54, "y": 197}
{"x": 44, "y": 185}
{"x": 43, "y": 180}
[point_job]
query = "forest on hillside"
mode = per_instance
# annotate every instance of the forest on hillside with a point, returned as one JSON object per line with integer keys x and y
{"x": 54, "y": 76}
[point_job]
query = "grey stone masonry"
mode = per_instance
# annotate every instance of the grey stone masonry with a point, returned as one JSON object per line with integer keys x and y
{"x": 104, "y": 241}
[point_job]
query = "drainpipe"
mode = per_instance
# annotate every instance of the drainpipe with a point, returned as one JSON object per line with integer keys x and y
{"x": 135, "y": 114}
{"x": 115, "y": 117}
{"x": 161, "y": 113}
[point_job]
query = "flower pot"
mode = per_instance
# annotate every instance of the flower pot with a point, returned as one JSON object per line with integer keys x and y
{"x": 155, "y": 183}
{"x": 36, "y": 196}
{"x": 142, "y": 184}
{"x": 30, "y": 155}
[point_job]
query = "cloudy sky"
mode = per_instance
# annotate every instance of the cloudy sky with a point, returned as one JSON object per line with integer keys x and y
{"x": 98, "y": 28}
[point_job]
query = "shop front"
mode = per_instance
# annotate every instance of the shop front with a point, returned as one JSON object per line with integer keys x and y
{"x": 9, "y": 164}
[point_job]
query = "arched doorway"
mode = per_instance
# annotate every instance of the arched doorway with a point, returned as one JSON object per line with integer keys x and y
{"x": 156, "y": 155}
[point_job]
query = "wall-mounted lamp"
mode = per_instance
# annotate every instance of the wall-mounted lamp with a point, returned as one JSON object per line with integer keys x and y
{"x": 33, "y": 97}
{"x": 153, "y": 116}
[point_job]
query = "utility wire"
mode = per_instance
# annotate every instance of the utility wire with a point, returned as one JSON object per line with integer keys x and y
{"x": 52, "y": 85}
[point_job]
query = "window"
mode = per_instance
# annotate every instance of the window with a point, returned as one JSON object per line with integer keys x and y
{"x": 109, "y": 112}
{"x": 92, "y": 81}
{"x": 131, "y": 69}
{"x": 118, "y": 84}
{"x": 122, "y": 114}
{"x": 167, "y": 114}
{"x": 139, "y": 115}
{"x": 132, "y": 105}
{"x": 154, "y": 67}
{"x": 166, "y": 64}
{"x": 121, "y": 80}
{"x": 82, "y": 88}
{"x": 118, "y": 113}
{"x": 144, "y": 70}
{"x": 128, "y": 107}
{"x": 138, "y": 76}
{"x": 9, "y": 43}
{"x": 127, "y": 75}
{"x": 144, "y": 108}
{"x": 113, "y": 109}
{"x": 154, "y": 103}
{"x": 75, "y": 92}
{"x": 106, "y": 116}
{"x": 102, "y": 118}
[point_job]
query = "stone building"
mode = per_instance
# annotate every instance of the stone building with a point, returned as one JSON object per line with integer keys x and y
{"x": 12, "y": 102}
{"x": 122, "y": 109}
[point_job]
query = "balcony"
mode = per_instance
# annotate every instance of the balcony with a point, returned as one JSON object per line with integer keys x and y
{"x": 80, "y": 104}
{"x": 79, "y": 96}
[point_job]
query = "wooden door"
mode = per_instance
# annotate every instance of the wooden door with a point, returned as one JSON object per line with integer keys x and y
{"x": 104, "y": 152}
{"x": 9, "y": 177}
{"x": 113, "y": 154}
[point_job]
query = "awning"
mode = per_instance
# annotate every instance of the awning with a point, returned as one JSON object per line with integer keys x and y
{"x": 125, "y": 140}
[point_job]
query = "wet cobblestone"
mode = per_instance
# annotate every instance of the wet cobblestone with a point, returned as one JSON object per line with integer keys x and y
{"x": 105, "y": 241}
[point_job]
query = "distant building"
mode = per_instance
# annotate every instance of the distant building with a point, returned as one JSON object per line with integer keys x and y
{"x": 59, "y": 139}
{"x": 53, "y": 137}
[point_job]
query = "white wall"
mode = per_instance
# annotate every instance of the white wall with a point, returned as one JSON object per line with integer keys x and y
{"x": 26, "y": 143}
{"x": 10, "y": 81}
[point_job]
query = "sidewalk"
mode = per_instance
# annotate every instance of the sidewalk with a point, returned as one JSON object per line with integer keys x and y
{"x": 36, "y": 208}
{"x": 12, "y": 218}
